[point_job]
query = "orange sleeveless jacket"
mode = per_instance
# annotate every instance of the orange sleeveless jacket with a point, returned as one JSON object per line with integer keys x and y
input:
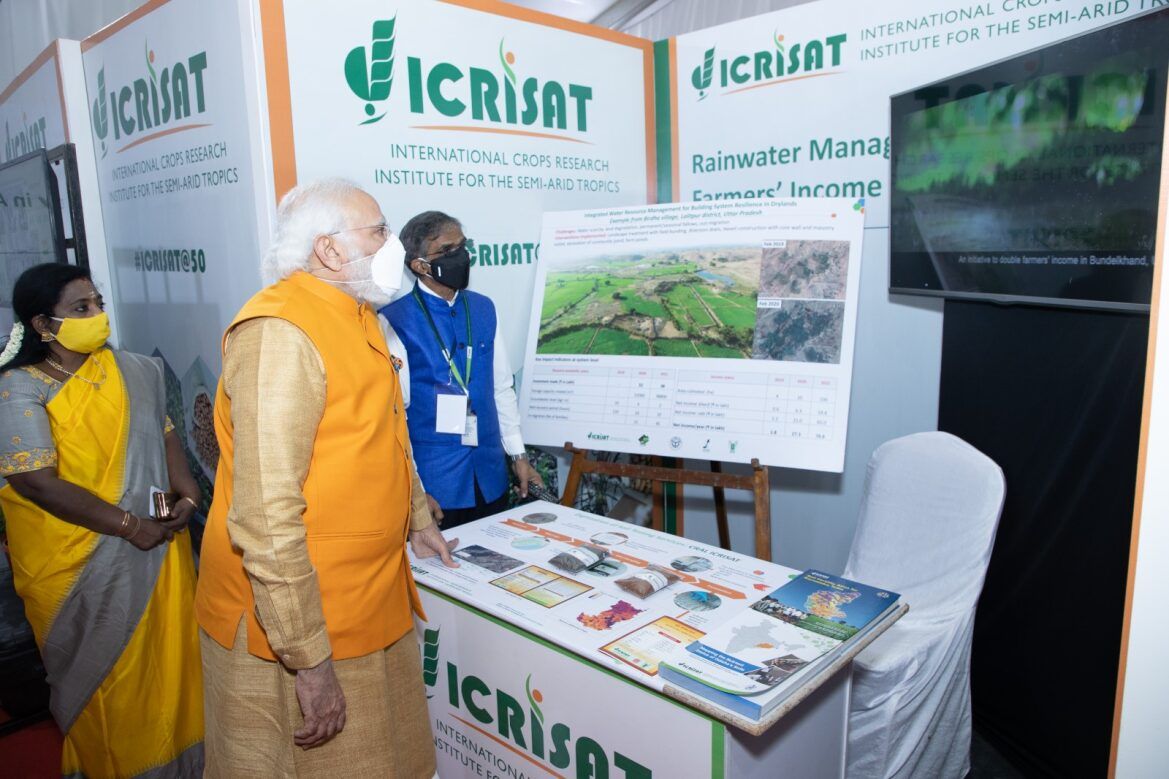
{"x": 357, "y": 491}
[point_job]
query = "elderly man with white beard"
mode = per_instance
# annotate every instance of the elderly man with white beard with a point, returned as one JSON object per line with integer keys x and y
{"x": 305, "y": 596}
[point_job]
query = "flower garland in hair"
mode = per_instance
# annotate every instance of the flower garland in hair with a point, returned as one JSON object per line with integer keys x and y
{"x": 15, "y": 338}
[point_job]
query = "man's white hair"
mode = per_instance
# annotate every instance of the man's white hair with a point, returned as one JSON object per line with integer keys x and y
{"x": 305, "y": 212}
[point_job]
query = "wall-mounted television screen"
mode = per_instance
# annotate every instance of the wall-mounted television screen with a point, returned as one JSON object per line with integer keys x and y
{"x": 1035, "y": 179}
{"x": 31, "y": 229}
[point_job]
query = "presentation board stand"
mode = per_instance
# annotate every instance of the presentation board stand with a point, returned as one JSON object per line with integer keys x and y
{"x": 721, "y": 332}
{"x": 757, "y": 482}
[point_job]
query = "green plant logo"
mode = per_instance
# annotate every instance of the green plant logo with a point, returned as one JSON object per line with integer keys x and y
{"x": 507, "y": 60}
{"x": 429, "y": 657}
{"x": 534, "y": 699}
{"x": 101, "y": 120}
{"x": 149, "y": 55}
{"x": 371, "y": 80}
{"x": 701, "y": 76}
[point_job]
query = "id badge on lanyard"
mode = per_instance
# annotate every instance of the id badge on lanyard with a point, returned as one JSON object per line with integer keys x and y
{"x": 453, "y": 415}
{"x": 452, "y": 412}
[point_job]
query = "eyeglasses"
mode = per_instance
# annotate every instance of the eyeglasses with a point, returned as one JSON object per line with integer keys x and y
{"x": 382, "y": 228}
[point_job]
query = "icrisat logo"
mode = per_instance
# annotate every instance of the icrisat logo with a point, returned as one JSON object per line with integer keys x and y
{"x": 27, "y": 138}
{"x": 487, "y": 96}
{"x": 150, "y": 102}
{"x": 372, "y": 81}
{"x": 503, "y": 717}
{"x": 781, "y": 61}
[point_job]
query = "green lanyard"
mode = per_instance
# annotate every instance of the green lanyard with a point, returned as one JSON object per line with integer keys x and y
{"x": 446, "y": 353}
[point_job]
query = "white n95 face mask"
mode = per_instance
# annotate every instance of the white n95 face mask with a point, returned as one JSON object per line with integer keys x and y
{"x": 385, "y": 274}
{"x": 386, "y": 267}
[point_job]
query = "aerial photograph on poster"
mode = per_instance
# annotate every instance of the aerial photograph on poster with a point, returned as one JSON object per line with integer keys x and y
{"x": 784, "y": 301}
{"x": 800, "y": 331}
{"x": 815, "y": 270}
{"x": 696, "y": 302}
{"x": 801, "y": 301}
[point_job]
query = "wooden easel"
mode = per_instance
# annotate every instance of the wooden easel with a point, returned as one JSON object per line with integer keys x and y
{"x": 757, "y": 482}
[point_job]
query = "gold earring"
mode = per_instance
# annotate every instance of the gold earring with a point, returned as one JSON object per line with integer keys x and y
{"x": 47, "y": 337}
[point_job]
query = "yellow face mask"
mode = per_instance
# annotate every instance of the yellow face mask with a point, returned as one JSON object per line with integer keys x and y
{"x": 84, "y": 336}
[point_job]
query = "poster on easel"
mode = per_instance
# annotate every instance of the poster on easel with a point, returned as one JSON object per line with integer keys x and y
{"x": 719, "y": 331}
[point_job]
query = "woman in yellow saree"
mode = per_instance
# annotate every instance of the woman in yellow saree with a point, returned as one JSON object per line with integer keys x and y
{"x": 84, "y": 441}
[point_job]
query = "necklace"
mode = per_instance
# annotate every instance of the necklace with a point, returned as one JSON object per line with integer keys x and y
{"x": 52, "y": 361}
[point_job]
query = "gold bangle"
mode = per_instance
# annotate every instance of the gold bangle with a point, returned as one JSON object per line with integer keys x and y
{"x": 124, "y": 526}
{"x": 191, "y": 501}
{"x": 137, "y": 527}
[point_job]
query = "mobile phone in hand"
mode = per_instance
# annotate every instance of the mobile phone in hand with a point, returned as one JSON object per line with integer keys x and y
{"x": 541, "y": 493}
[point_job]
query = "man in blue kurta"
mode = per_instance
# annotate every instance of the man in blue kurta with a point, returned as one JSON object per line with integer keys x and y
{"x": 457, "y": 385}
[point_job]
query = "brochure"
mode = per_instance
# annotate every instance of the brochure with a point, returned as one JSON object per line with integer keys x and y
{"x": 751, "y": 663}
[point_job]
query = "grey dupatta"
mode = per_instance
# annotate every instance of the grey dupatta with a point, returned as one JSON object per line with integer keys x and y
{"x": 102, "y": 611}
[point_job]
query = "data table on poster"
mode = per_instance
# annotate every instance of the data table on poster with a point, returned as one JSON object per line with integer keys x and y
{"x": 792, "y": 406}
{"x": 719, "y": 331}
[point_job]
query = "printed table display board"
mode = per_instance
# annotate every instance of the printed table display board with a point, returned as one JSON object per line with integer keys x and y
{"x": 541, "y": 663}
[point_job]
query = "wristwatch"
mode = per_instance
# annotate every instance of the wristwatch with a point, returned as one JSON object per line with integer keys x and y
{"x": 517, "y": 457}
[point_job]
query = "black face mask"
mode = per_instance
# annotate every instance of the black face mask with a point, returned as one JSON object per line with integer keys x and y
{"x": 452, "y": 269}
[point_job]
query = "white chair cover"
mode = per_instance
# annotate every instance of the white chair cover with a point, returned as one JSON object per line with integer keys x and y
{"x": 926, "y": 528}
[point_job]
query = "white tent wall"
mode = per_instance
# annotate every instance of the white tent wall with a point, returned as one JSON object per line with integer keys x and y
{"x": 1143, "y": 702}
{"x": 666, "y": 18}
{"x": 28, "y": 26}
{"x": 76, "y": 102}
{"x": 1142, "y": 705}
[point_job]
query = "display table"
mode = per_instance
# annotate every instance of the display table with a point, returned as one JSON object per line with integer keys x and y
{"x": 536, "y": 669}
